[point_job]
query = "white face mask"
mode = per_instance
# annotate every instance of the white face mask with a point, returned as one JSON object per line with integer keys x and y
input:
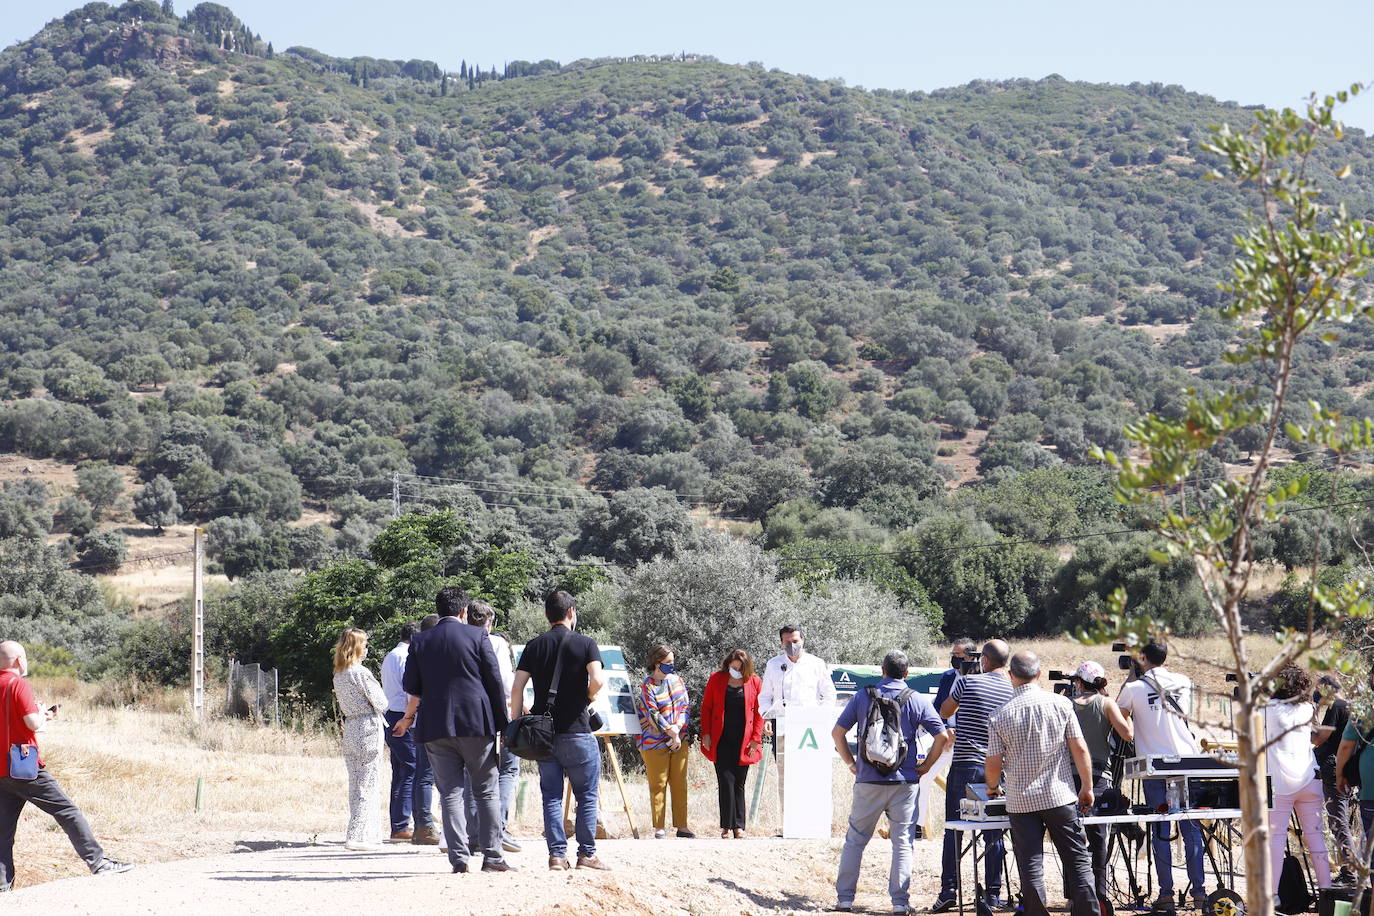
{"x": 793, "y": 649}
{"x": 736, "y": 673}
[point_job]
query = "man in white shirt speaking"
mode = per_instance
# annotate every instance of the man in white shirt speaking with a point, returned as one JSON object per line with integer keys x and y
{"x": 1158, "y": 703}
{"x": 794, "y": 678}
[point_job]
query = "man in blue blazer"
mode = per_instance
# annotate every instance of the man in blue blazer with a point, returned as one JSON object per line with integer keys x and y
{"x": 452, "y": 670}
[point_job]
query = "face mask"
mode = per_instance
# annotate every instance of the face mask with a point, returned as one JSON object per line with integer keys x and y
{"x": 793, "y": 649}
{"x": 736, "y": 673}
{"x": 667, "y": 667}
{"x": 1317, "y": 697}
{"x": 955, "y": 661}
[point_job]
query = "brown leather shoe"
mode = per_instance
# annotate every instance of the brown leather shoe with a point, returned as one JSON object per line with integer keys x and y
{"x": 424, "y": 836}
{"x": 498, "y": 865}
{"x": 592, "y": 862}
{"x": 400, "y": 836}
{"x": 558, "y": 863}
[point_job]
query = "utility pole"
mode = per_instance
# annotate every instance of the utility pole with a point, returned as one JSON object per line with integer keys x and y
{"x": 395, "y": 494}
{"x": 198, "y": 627}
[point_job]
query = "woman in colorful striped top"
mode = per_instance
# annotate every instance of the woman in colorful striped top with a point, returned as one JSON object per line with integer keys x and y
{"x": 663, "y": 707}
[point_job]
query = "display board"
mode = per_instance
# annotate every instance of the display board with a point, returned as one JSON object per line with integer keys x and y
{"x": 615, "y": 704}
{"x": 806, "y": 779}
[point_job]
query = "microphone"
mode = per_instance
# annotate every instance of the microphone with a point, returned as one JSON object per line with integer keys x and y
{"x": 784, "y": 666}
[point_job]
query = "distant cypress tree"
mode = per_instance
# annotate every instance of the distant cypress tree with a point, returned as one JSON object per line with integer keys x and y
{"x": 270, "y": 53}
{"x": 167, "y": 9}
{"x": 472, "y": 84}
{"x": 463, "y": 71}
{"x": 443, "y": 86}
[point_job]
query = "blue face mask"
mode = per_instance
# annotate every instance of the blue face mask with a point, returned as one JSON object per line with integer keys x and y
{"x": 667, "y": 667}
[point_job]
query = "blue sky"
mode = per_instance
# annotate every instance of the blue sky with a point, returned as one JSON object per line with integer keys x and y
{"x": 1258, "y": 51}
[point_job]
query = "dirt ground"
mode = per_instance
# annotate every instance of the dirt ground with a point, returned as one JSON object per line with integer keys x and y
{"x": 751, "y": 876}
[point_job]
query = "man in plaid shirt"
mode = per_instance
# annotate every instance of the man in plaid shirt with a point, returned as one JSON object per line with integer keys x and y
{"x": 1040, "y": 730}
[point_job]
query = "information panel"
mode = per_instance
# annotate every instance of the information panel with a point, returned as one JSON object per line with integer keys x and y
{"x": 809, "y": 751}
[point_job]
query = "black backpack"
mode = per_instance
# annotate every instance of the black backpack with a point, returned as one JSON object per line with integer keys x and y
{"x": 1294, "y": 896}
{"x": 881, "y": 741}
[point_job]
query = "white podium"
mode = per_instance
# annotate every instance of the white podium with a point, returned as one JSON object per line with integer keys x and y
{"x": 809, "y": 750}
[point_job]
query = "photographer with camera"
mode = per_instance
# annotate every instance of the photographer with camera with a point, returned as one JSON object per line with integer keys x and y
{"x": 976, "y": 698}
{"x": 576, "y": 660}
{"x": 963, "y": 659}
{"x": 1098, "y": 716}
{"x": 1157, "y": 703}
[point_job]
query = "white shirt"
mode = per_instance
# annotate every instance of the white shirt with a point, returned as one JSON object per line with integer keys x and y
{"x": 1159, "y": 729}
{"x": 804, "y": 681}
{"x": 393, "y": 667}
{"x": 503, "y": 662}
{"x": 1292, "y": 765}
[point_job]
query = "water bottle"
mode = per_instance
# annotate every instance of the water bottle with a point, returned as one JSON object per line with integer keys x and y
{"x": 1173, "y": 795}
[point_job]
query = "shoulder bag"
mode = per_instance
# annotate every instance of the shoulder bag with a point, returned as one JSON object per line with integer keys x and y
{"x": 23, "y": 761}
{"x": 531, "y": 736}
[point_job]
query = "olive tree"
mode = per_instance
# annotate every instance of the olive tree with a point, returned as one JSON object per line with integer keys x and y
{"x": 1295, "y": 275}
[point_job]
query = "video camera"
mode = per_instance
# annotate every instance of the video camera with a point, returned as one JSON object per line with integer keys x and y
{"x": 968, "y": 666}
{"x": 1064, "y": 687}
{"x": 1126, "y": 661}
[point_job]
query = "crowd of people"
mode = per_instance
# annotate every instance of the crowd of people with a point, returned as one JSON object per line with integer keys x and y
{"x": 450, "y": 686}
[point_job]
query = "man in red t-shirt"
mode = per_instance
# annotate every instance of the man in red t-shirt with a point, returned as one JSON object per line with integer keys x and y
{"x": 20, "y": 719}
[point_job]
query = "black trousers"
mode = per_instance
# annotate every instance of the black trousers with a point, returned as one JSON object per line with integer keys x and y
{"x": 46, "y": 795}
{"x": 1068, "y": 837}
{"x": 1338, "y": 816}
{"x": 731, "y": 779}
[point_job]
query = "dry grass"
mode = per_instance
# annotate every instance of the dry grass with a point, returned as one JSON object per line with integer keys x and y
{"x": 133, "y": 772}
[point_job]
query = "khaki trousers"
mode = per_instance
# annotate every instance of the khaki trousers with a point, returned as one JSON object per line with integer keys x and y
{"x": 667, "y": 770}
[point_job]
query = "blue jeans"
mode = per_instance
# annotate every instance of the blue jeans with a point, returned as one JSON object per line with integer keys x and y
{"x": 410, "y": 791}
{"x": 1155, "y": 794}
{"x": 578, "y": 758}
{"x": 508, "y": 771}
{"x": 960, "y": 775}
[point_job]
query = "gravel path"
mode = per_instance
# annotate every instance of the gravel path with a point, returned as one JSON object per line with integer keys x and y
{"x": 755, "y": 875}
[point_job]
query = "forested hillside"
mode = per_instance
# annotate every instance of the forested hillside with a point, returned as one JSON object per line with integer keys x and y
{"x": 596, "y": 306}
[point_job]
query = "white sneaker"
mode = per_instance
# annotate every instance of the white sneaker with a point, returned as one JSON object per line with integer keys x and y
{"x": 660, "y": 833}
{"x": 360, "y": 846}
{"x": 510, "y": 844}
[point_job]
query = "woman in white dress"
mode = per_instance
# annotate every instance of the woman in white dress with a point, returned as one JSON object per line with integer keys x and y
{"x": 363, "y": 704}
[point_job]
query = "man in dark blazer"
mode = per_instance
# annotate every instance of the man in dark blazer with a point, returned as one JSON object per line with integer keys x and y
{"x": 452, "y": 670}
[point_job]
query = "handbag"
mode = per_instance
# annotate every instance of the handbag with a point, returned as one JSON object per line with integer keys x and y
{"x": 23, "y": 761}
{"x": 530, "y": 736}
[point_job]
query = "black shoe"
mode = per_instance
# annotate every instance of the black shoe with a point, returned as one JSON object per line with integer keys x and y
{"x": 498, "y": 865}
{"x": 942, "y": 905}
{"x": 110, "y": 867}
{"x": 685, "y": 834}
{"x": 461, "y": 868}
{"x": 994, "y": 902}
{"x": 918, "y": 833}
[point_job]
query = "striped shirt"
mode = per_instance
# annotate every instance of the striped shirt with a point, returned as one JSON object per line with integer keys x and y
{"x": 979, "y": 696}
{"x": 662, "y": 705}
{"x": 1032, "y": 733}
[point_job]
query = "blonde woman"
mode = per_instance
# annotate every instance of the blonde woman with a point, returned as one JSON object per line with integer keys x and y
{"x": 363, "y": 705}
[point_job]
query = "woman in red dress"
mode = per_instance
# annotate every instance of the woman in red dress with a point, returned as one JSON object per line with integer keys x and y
{"x": 732, "y": 734}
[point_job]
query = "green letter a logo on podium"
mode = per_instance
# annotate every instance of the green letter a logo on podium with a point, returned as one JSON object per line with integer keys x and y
{"x": 808, "y": 739}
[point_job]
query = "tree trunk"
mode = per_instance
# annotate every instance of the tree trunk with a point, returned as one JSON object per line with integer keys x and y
{"x": 1254, "y": 814}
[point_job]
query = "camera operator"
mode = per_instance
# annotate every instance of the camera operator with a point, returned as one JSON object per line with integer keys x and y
{"x": 963, "y": 654}
{"x": 976, "y": 698}
{"x": 1042, "y": 731}
{"x": 1098, "y": 716}
{"x": 1335, "y": 717}
{"x": 1157, "y": 704}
